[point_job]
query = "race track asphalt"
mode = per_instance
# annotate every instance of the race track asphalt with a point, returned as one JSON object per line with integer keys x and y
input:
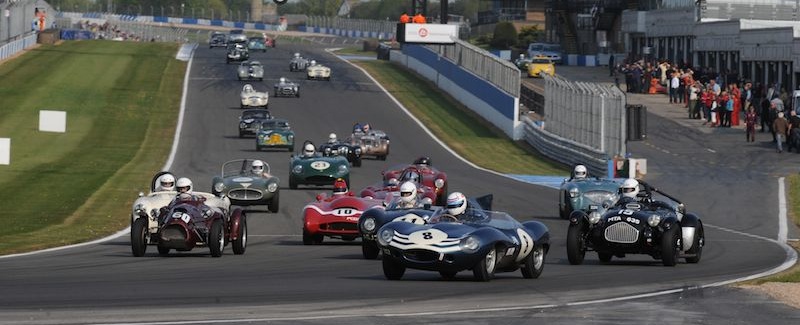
{"x": 282, "y": 281}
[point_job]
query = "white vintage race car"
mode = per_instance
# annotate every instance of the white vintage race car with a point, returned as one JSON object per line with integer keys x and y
{"x": 252, "y": 98}
{"x": 251, "y": 70}
{"x": 149, "y": 206}
{"x": 318, "y": 71}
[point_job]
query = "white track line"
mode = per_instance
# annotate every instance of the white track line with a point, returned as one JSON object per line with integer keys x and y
{"x": 167, "y": 166}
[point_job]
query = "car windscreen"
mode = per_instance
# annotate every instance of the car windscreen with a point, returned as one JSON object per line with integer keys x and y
{"x": 540, "y": 61}
{"x": 272, "y": 124}
{"x": 255, "y": 114}
{"x": 495, "y": 219}
{"x": 552, "y": 47}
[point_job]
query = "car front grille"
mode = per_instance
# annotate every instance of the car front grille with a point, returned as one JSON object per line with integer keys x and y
{"x": 340, "y": 226}
{"x": 287, "y": 90}
{"x": 172, "y": 234}
{"x": 622, "y": 232}
{"x": 245, "y": 194}
{"x": 319, "y": 179}
{"x": 421, "y": 255}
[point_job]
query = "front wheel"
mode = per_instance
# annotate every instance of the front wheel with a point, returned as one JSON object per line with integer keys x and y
{"x": 369, "y": 249}
{"x": 216, "y": 239}
{"x": 312, "y": 239}
{"x": 139, "y": 237}
{"x": 274, "y": 203}
{"x": 534, "y": 263}
{"x": 576, "y": 245}
{"x": 484, "y": 270}
{"x": 240, "y": 244}
{"x": 671, "y": 246}
{"x": 392, "y": 269}
{"x": 697, "y": 245}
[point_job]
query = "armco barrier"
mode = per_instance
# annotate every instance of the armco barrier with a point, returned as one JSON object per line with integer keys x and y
{"x": 493, "y": 104}
{"x": 563, "y": 150}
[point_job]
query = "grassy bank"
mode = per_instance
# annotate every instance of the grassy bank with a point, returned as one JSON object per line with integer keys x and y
{"x": 464, "y": 131}
{"x": 121, "y": 101}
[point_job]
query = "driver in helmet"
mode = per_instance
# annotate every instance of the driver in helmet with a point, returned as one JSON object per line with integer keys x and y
{"x": 580, "y": 172}
{"x": 166, "y": 182}
{"x": 408, "y": 196}
{"x": 456, "y": 205}
{"x": 366, "y": 128}
{"x": 410, "y": 176}
{"x": 357, "y": 128}
{"x": 629, "y": 191}
{"x": 340, "y": 188}
{"x": 308, "y": 150}
{"x": 257, "y": 168}
{"x": 423, "y": 161}
{"x": 282, "y": 80}
{"x": 332, "y": 138}
{"x": 296, "y": 55}
{"x": 313, "y": 62}
{"x": 184, "y": 187}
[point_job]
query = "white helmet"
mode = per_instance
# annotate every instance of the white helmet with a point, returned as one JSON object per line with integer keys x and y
{"x": 630, "y": 188}
{"x": 456, "y": 203}
{"x": 579, "y": 172}
{"x": 166, "y": 183}
{"x": 257, "y": 167}
{"x": 332, "y": 138}
{"x": 308, "y": 150}
{"x": 313, "y": 62}
{"x": 282, "y": 80}
{"x": 297, "y": 55}
{"x": 184, "y": 185}
{"x": 408, "y": 192}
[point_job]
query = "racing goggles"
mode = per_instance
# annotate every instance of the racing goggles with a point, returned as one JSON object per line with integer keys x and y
{"x": 406, "y": 194}
{"x": 184, "y": 189}
{"x": 628, "y": 189}
{"x": 258, "y": 169}
{"x": 455, "y": 204}
{"x": 167, "y": 184}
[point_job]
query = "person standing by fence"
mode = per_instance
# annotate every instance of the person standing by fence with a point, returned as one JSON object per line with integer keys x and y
{"x": 419, "y": 19}
{"x": 750, "y": 124}
{"x": 405, "y": 18}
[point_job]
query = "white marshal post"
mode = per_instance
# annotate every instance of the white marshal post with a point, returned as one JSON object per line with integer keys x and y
{"x": 52, "y": 121}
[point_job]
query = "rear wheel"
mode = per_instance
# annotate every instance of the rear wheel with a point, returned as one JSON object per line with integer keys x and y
{"x": 240, "y": 244}
{"x": 369, "y": 249}
{"x": 576, "y": 245}
{"x": 274, "y": 203}
{"x": 139, "y": 237}
{"x": 392, "y": 269}
{"x": 697, "y": 245}
{"x": 484, "y": 270}
{"x": 216, "y": 239}
{"x": 671, "y": 246}
{"x": 534, "y": 263}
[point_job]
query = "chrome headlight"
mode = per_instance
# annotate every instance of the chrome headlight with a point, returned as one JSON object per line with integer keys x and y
{"x": 358, "y": 151}
{"x": 368, "y": 225}
{"x": 385, "y": 237}
{"x": 439, "y": 183}
{"x": 139, "y": 207}
{"x": 342, "y": 169}
{"x": 469, "y": 244}
{"x": 327, "y": 151}
{"x": 654, "y": 220}
{"x": 290, "y": 137}
{"x": 297, "y": 169}
{"x": 594, "y": 217}
{"x": 242, "y": 125}
{"x": 219, "y": 187}
{"x": 272, "y": 187}
{"x": 574, "y": 192}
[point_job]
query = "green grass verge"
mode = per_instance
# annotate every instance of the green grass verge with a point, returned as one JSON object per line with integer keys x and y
{"x": 121, "y": 102}
{"x": 465, "y": 132}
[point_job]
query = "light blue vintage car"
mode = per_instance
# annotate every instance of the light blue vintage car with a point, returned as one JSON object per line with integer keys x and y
{"x": 582, "y": 194}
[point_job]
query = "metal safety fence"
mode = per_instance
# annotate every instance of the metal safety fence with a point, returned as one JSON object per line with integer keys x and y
{"x": 587, "y": 113}
{"x": 9, "y": 49}
{"x": 482, "y": 63}
{"x": 367, "y": 25}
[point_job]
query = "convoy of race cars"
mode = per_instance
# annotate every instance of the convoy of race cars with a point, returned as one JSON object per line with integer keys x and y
{"x": 409, "y": 218}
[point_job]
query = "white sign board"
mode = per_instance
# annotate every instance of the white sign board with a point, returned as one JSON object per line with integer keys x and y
{"x": 5, "y": 151}
{"x": 431, "y": 33}
{"x": 52, "y": 121}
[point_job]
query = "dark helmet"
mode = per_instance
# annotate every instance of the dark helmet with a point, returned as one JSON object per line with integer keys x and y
{"x": 423, "y": 161}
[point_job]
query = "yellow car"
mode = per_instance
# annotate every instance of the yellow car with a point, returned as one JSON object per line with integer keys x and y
{"x": 540, "y": 65}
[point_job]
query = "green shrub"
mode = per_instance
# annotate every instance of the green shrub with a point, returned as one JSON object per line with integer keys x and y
{"x": 505, "y": 35}
{"x": 529, "y": 34}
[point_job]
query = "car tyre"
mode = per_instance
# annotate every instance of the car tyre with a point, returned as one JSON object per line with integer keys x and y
{"x": 484, "y": 270}
{"x": 697, "y": 245}
{"x": 274, "y": 203}
{"x": 309, "y": 239}
{"x": 567, "y": 210}
{"x": 671, "y": 246}
{"x": 240, "y": 244}
{"x": 576, "y": 245}
{"x": 392, "y": 269}
{"x": 369, "y": 249}
{"x": 297, "y": 94}
{"x": 139, "y": 237}
{"x": 357, "y": 162}
{"x": 216, "y": 239}
{"x": 534, "y": 263}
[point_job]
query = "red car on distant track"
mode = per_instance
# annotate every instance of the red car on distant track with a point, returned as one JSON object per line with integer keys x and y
{"x": 335, "y": 215}
{"x": 423, "y": 172}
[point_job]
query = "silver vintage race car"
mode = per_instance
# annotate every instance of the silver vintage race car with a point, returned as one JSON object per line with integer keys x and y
{"x": 285, "y": 87}
{"x": 298, "y": 63}
{"x": 318, "y": 71}
{"x": 245, "y": 185}
{"x": 253, "y": 98}
{"x": 251, "y": 119}
{"x": 251, "y": 70}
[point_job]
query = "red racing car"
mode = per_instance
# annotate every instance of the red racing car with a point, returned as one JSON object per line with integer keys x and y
{"x": 421, "y": 171}
{"x": 334, "y": 216}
